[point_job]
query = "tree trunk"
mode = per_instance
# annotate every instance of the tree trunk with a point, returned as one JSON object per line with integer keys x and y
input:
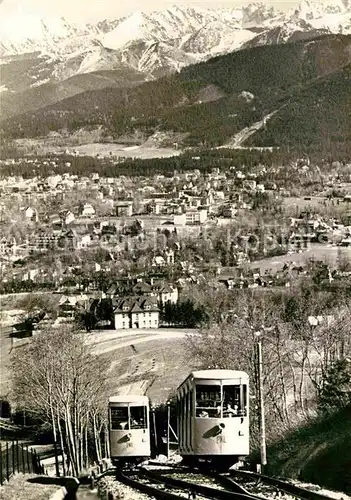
{"x": 53, "y": 422}
{"x": 107, "y": 442}
{"x": 69, "y": 451}
{"x": 302, "y": 380}
{"x": 81, "y": 445}
{"x": 62, "y": 447}
{"x": 72, "y": 444}
{"x": 96, "y": 440}
{"x": 293, "y": 374}
{"x": 282, "y": 378}
{"x": 86, "y": 462}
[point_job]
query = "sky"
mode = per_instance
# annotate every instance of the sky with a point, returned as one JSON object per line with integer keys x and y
{"x": 96, "y": 10}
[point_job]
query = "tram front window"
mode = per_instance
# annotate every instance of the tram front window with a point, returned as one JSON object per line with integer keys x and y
{"x": 138, "y": 417}
{"x": 119, "y": 418}
{"x": 208, "y": 401}
{"x": 234, "y": 401}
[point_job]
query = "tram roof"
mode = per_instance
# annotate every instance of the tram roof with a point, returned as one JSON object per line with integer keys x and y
{"x": 219, "y": 374}
{"x": 215, "y": 375}
{"x": 129, "y": 398}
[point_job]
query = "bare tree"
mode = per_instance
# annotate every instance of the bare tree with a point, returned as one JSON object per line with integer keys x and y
{"x": 57, "y": 378}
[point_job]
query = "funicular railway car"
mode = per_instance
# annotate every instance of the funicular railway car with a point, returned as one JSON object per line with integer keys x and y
{"x": 129, "y": 428}
{"x": 213, "y": 416}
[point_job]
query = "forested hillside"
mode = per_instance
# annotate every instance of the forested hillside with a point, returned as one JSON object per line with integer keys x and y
{"x": 319, "y": 453}
{"x": 319, "y": 113}
{"x": 47, "y": 94}
{"x": 210, "y": 102}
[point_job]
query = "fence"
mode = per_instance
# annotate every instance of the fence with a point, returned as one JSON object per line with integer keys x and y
{"x": 16, "y": 457}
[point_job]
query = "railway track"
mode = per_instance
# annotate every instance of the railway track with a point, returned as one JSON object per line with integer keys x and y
{"x": 175, "y": 482}
{"x": 258, "y": 484}
{"x": 199, "y": 485}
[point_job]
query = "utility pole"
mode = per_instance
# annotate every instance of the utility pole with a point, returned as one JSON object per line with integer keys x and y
{"x": 261, "y": 398}
{"x": 168, "y": 425}
{"x": 155, "y": 429}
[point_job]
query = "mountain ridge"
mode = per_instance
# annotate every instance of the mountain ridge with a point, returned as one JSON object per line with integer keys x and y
{"x": 212, "y": 101}
{"x": 142, "y": 46}
{"x": 59, "y": 39}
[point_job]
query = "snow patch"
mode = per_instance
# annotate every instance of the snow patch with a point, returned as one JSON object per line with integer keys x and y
{"x": 128, "y": 30}
{"x": 38, "y": 83}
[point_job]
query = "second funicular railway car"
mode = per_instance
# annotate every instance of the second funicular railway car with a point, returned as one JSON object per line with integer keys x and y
{"x": 213, "y": 416}
{"x": 129, "y": 428}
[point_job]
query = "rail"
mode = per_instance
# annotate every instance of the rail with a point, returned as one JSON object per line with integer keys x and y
{"x": 152, "y": 482}
{"x": 145, "y": 488}
{"x": 297, "y": 491}
{"x": 208, "y": 491}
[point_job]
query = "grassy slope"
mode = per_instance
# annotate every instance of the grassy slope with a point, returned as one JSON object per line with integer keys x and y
{"x": 319, "y": 453}
{"x": 274, "y": 74}
{"x": 159, "y": 365}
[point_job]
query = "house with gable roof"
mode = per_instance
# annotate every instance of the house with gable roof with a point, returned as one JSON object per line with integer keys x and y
{"x": 139, "y": 312}
{"x": 67, "y": 217}
{"x": 143, "y": 288}
{"x": 166, "y": 293}
{"x": 69, "y": 305}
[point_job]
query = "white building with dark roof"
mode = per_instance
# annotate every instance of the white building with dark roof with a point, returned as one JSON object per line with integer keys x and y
{"x": 140, "y": 312}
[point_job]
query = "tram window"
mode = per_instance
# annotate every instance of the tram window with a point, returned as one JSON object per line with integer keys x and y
{"x": 191, "y": 417}
{"x": 138, "y": 417}
{"x": 119, "y": 418}
{"x": 187, "y": 421}
{"x": 244, "y": 405}
{"x": 208, "y": 401}
{"x": 234, "y": 400}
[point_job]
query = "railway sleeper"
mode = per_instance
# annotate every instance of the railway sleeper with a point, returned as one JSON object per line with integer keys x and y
{"x": 201, "y": 489}
{"x": 145, "y": 488}
{"x": 225, "y": 481}
{"x": 294, "y": 490}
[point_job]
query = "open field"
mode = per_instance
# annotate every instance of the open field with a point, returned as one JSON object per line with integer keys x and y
{"x": 46, "y": 145}
{"x": 334, "y": 207}
{"x": 299, "y": 203}
{"x": 327, "y": 253}
{"x": 152, "y": 363}
{"x": 121, "y": 150}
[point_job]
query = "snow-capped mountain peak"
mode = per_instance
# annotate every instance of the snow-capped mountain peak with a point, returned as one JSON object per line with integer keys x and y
{"x": 129, "y": 29}
{"x": 332, "y": 15}
{"x": 258, "y": 13}
{"x": 27, "y": 31}
{"x": 312, "y": 9}
{"x": 155, "y": 43}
